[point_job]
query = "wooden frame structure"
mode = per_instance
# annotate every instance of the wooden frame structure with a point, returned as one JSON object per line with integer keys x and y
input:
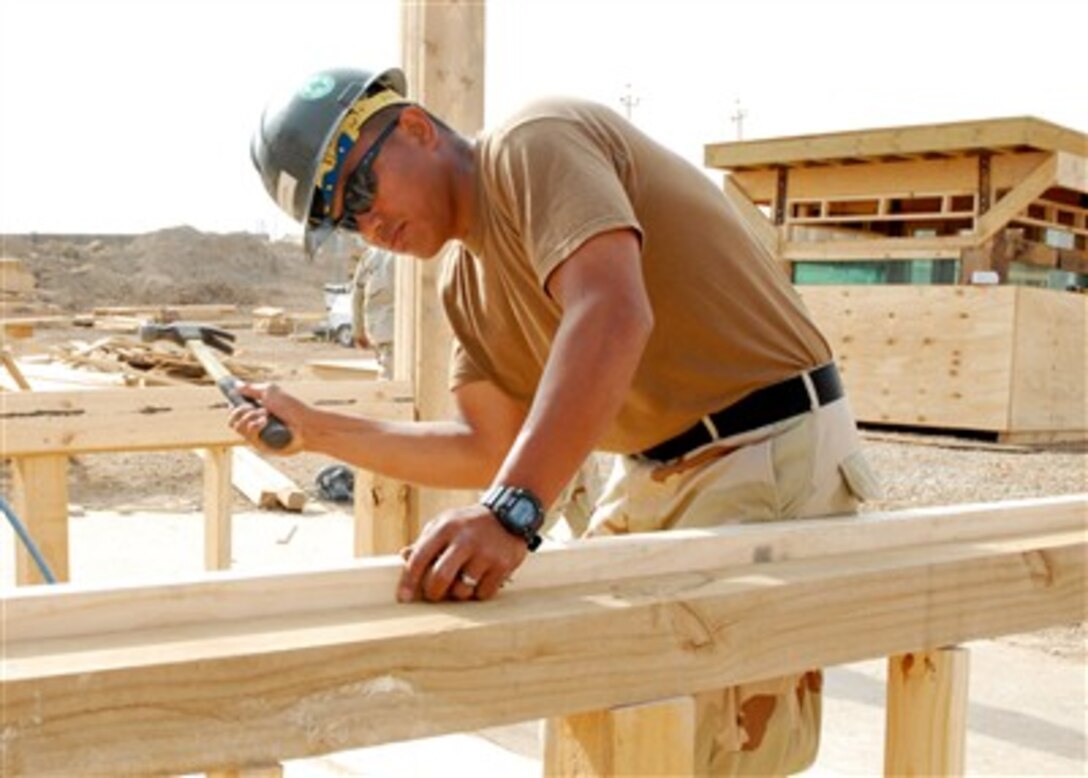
{"x": 160, "y": 680}
{"x": 42, "y": 430}
{"x": 996, "y": 198}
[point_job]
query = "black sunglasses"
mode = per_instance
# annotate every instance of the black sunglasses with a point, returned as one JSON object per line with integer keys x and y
{"x": 362, "y": 185}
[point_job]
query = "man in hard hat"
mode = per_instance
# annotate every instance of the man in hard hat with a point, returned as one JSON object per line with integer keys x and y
{"x": 603, "y": 294}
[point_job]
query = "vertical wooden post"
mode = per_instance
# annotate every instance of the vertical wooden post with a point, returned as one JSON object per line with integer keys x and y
{"x": 382, "y": 520}
{"x": 442, "y": 48}
{"x": 927, "y": 713}
{"x": 40, "y": 500}
{"x": 217, "y": 508}
{"x": 653, "y": 739}
{"x": 781, "y": 194}
{"x": 985, "y": 185}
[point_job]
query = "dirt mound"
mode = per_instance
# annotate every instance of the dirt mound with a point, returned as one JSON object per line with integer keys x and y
{"x": 173, "y": 266}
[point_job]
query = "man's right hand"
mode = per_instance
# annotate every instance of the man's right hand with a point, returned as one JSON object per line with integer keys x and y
{"x": 248, "y": 421}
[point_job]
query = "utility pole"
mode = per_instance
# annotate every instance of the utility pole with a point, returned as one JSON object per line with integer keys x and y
{"x": 738, "y": 119}
{"x": 629, "y": 101}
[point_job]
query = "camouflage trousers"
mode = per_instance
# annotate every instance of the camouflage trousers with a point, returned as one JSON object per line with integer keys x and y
{"x": 804, "y": 467}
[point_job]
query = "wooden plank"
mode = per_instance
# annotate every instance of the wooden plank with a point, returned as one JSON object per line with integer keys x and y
{"x": 262, "y": 483}
{"x": 40, "y": 500}
{"x": 200, "y": 696}
{"x": 217, "y": 508}
{"x": 952, "y": 137}
{"x": 649, "y": 739}
{"x": 758, "y": 223}
{"x": 366, "y": 369}
{"x": 875, "y": 249}
{"x": 926, "y": 730}
{"x": 165, "y": 417}
{"x": 63, "y": 612}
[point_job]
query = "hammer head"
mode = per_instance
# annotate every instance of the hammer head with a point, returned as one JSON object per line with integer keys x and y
{"x": 181, "y": 332}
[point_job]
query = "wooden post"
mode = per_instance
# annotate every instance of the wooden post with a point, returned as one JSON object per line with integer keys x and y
{"x": 382, "y": 515}
{"x": 653, "y": 739}
{"x": 40, "y": 500}
{"x": 443, "y": 53}
{"x": 927, "y": 713}
{"x": 217, "y": 505}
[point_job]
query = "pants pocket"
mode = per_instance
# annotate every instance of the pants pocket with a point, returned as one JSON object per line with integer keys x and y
{"x": 860, "y": 478}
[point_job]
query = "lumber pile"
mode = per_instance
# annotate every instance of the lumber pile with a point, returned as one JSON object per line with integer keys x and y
{"x": 148, "y": 363}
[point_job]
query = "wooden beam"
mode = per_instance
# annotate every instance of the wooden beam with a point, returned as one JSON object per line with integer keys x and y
{"x": 371, "y": 582}
{"x": 262, "y": 483}
{"x": 926, "y": 731}
{"x": 221, "y": 691}
{"x": 878, "y": 249}
{"x": 649, "y": 739}
{"x": 40, "y": 500}
{"x": 164, "y": 417}
{"x": 382, "y": 515}
{"x": 937, "y": 138}
{"x": 443, "y": 53}
{"x": 217, "y": 503}
{"x": 892, "y": 179}
{"x": 758, "y": 223}
{"x": 1017, "y": 199}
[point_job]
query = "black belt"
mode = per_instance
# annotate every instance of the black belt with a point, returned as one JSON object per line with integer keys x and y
{"x": 757, "y": 409}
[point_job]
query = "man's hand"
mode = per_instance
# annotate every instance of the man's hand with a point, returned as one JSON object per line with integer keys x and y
{"x": 248, "y": 421}
{"x": 462, "y": 554}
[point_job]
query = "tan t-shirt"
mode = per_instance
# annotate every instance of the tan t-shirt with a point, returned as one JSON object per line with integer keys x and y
{"x": 726, "y": 320}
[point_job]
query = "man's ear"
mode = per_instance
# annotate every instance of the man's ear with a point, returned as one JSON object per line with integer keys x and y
{"x": 419, "y": 125}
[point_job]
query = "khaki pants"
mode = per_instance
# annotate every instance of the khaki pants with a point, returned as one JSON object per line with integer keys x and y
{"x": 807, "y": 466}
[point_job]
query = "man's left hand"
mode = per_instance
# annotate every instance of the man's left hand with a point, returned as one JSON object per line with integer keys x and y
{"x": 462, "y": 554}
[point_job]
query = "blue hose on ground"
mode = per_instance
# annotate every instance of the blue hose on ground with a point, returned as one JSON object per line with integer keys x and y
{"x": 24, "y": 536}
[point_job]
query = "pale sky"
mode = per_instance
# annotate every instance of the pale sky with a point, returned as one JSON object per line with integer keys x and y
{"x": 130, "y": 115}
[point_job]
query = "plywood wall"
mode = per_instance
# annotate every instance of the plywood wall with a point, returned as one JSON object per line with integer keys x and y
{"x": 1002, "y": 359}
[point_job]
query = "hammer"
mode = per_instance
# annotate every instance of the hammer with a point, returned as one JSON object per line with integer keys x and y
{"x": 197, "y": 338}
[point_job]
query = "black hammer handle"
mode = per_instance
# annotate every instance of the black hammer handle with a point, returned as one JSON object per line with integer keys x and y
{"x": 275, "y": 434}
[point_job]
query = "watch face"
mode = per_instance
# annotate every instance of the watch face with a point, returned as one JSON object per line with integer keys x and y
{"x": 522, "y": 513}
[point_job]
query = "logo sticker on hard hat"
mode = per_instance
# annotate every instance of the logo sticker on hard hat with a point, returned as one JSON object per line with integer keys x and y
{"x": 317, "y": 87}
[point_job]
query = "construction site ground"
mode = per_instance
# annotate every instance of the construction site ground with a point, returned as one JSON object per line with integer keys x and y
{"x": 136, "y": 516}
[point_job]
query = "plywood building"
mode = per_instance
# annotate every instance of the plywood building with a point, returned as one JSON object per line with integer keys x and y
{"x": 942, "y": 262}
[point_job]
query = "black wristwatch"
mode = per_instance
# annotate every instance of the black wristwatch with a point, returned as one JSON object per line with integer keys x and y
{"x": 518, "y": 510}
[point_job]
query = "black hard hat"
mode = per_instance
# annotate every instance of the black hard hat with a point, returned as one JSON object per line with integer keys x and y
{"x": 303, "y": 139}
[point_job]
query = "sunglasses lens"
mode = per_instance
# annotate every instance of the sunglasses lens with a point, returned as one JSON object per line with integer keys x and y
{"x": 358, "y": 194}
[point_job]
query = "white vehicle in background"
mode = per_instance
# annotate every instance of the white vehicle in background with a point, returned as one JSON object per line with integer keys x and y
{"x": 338, "y": 307}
